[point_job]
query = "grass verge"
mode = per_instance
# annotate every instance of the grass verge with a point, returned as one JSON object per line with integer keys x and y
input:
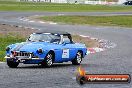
{"x": 123, "y": 21}
{"x": 31, "y": 6}
{"x": 10, "y": 35}
{"x": 5, "y": 41}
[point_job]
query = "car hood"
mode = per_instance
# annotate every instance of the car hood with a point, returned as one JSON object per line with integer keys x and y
{"x": 31, "y": 46}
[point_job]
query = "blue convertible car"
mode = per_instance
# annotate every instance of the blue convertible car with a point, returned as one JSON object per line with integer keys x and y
{"x": 45, "y": 48}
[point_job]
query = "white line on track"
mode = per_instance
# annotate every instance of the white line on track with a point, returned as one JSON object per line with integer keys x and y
{"x": 2, "y": 62}
{"x": 21, "y": 19}
{"x": 31, "y": 21}
{"x": 84, "y": 36}
{"x": 41, "y": 22}
{"x": 32, "y": 28}
{"x": 26, "y": 20}
{"x": 52, "y": 23}
{"x": 61, "y": 14}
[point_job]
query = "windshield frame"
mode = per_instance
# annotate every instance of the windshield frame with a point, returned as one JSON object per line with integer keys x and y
{"x": 50, "y": 37}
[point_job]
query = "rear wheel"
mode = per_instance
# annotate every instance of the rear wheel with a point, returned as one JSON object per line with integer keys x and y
{"x": 12, "y": 64}
{"x": 78, "y": 59}
{"x": 48, "y": 62}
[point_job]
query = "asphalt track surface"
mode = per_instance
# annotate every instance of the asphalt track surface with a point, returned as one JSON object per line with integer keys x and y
{"x": 115, "y": 61}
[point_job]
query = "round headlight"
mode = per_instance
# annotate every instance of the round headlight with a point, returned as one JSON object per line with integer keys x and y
{"x": 40, "y": 51}
{"x": 7, "y": 48}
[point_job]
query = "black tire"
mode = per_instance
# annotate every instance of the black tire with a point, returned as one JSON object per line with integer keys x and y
{"x": 48, "y": 62}
{"x": 78, "y": 59}
{"x": 12, "y": 64}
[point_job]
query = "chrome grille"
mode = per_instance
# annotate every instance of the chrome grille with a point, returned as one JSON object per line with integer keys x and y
{"x": 23, "y": 54}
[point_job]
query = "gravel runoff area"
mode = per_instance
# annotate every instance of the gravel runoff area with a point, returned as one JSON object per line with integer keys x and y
{"x": 6, "y": 29}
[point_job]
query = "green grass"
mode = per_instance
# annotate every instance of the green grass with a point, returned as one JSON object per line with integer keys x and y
{"x": 123, "y": 21}
{"x": 30, "y": 6}
{"x": 5, "y": 41}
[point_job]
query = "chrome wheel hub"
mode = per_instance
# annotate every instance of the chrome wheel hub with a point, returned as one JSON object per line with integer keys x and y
{"x": 49, "y": 59}
{"x": 79, "y": 57}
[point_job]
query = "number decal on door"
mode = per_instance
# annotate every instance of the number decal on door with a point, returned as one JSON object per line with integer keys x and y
{"x": 65, "y": 53}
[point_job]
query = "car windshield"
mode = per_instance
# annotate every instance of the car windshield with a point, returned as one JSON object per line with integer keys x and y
{"x": 45, "y": 37}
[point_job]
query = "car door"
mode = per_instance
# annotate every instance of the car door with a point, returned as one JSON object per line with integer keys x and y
{"x": 68, "y": 49}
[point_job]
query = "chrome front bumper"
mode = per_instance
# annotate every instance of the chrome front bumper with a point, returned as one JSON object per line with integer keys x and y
{"x": 26, "y": 58}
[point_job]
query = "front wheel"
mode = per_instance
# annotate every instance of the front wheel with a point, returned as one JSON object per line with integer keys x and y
{"x": 78, "y": 59}
{"x": 12, "y": 64}
{"x": 48, "y": 62}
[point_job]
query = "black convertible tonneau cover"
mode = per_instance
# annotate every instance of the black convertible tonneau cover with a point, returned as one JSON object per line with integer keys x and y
{"x": 53, "y": 32}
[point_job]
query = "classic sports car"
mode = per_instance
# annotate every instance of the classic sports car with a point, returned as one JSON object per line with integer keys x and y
{"x": 45, "y": 48}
